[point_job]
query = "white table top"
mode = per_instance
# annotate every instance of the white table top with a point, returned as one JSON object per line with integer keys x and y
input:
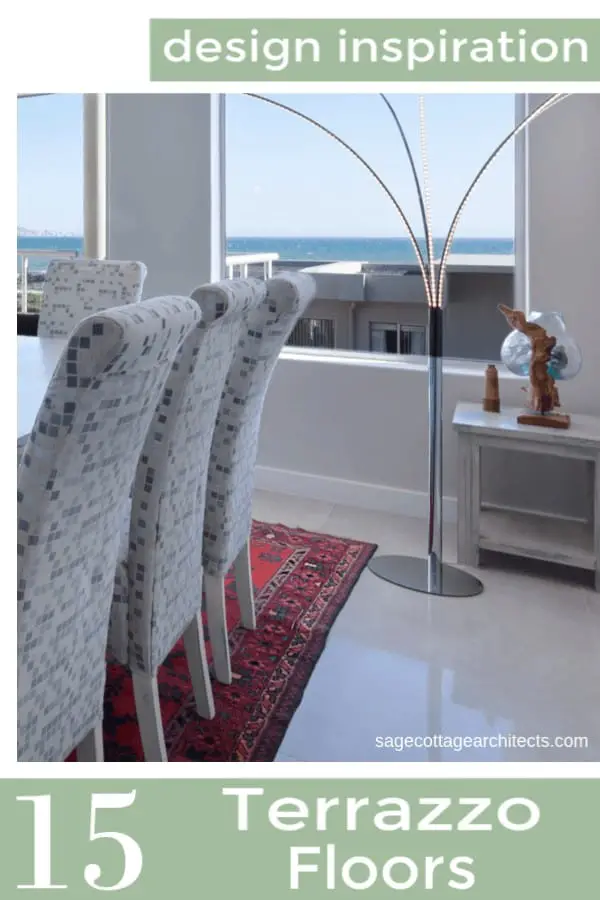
{"x": 470, "y": 417}
{"x": 37, "y": 359}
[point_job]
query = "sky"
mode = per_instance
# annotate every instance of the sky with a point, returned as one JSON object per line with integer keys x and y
{"x": 285, "y": 178}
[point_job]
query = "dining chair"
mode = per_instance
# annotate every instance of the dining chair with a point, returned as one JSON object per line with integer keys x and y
{"x": 158, "y": 585}
{"x": 76, "y": 288}
{"x": 228, "y": 515}
{"x": 74, "y": 479}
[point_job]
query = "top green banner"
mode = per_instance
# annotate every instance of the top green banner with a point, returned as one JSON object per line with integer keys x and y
{"x": 353, "y": 50}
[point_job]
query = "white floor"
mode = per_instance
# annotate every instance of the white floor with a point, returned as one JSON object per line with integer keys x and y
{"x": 516, "y": 667}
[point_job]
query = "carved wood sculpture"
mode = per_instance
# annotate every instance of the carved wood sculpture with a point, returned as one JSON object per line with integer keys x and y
{"x": 543, "y": 394}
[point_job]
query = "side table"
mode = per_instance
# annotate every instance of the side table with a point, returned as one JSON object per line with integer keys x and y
{"x": 528, "y": 535}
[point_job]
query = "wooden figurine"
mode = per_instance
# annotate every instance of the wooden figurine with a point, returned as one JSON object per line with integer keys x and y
{"x": 543, "y": 394}
{"x": 491, "y": 400}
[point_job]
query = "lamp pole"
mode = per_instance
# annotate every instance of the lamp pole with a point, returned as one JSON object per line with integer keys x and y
{"x": 435, "y": 407}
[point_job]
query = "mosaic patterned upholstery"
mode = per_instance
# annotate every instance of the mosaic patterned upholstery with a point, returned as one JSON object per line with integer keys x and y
{"x": 74, "y": 480}
{"x": 158, "y": 587}
{"x": 228, "y": 514}
{"x": 76, "y": 288}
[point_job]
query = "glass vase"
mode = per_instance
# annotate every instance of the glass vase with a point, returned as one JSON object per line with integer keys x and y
{"x": 566, "y": 359}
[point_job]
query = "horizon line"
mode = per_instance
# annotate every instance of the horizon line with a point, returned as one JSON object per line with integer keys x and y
{"x": 304, "y": 237}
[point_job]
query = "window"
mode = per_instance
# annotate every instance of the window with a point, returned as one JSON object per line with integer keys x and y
{"x": 313, "y": 333}
{"x": 412, "y": 340}
{"x": 337, "y": 224}
{"x": 393, "y": 338}
{"x": 50, "y": 192}
{"x": 383, "y": 337}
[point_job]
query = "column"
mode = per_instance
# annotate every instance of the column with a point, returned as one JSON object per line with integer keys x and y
{"x": 564, "y": 225}
{"x": 166, "y": 191}
{"x": 94, "y": 176}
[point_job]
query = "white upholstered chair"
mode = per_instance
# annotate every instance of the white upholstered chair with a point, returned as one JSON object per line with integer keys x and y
{"x": 74, "y": 479}
{"x": 228, "y": 516}
{"x": 76, "y": 288}
{"x": 158, "y": 586}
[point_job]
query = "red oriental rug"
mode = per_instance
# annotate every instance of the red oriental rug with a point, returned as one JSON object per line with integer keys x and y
{"x": 301, "y": 580}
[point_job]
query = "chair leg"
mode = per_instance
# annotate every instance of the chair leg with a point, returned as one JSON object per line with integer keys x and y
{"x": 91, "y": 748}
{"x": 147, "y": 707}
{"x": 244, "y": 587}
{"x": 195, "y": 651}
{"x": 214, "y": 590}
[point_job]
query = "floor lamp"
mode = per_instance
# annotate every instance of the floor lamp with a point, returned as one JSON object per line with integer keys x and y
{"x": 429, "y": 574}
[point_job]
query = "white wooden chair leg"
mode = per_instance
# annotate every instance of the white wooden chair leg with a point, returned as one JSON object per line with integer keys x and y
{"x": 147, "y": 707}
{"x": 244, "y": 587}
{"x": 91, "y": 748}
{"x": 214, "y": 591}
{"x": 195, "y": 651}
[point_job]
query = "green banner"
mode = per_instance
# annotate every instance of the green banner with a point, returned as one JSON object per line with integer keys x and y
{"x": 498, "y": 839}
{"x": 334, "y": 50}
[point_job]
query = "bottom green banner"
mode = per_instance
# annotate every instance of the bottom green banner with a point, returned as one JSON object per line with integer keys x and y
{"x": 499, "y": 838}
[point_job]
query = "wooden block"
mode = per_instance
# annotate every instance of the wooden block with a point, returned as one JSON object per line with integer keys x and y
{"x": 491, "y": 406}
{"x": 491, "y": 400}
{"x": 547, "y": 420}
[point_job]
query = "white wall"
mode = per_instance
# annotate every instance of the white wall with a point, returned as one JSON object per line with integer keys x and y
{"x": 325, "y": 421}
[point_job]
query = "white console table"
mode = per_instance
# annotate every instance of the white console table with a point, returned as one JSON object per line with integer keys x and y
{"x": 528, "y": 535}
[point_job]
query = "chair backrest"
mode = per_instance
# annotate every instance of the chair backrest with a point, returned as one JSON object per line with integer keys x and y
{"x": 164, "y": 564}
{"x": 77, "y": 288}
{"x": 230, "y": 487}
{"x": 74, "y": 480}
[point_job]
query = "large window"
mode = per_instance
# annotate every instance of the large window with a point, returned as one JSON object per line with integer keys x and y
{"x": 293, "y": 191}
{"x": 296, "y": 199}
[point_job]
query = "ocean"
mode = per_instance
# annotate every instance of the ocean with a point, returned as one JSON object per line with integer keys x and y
{"x": 320, "y": 249}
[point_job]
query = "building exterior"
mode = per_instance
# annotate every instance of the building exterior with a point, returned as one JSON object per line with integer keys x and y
{"x": 380, "y": 308}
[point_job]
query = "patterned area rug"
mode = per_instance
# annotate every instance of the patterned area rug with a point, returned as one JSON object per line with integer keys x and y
{"x": 302, "y": 580}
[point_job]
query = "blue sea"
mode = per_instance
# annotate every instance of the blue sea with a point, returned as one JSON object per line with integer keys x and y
{"x": 321, "y": 249}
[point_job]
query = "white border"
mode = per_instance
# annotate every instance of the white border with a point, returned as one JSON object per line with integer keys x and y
{"x": 298, "y": 769}
{"x": 64, "y": 55}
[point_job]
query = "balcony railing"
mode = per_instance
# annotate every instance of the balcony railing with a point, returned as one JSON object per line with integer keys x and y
{"x": 29, "y": 282}
{"x": 240, "y": 263}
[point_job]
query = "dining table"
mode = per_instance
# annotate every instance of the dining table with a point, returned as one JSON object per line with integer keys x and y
{"x": 37, "y": 360}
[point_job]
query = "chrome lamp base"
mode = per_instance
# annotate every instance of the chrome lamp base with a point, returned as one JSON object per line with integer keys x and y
{"x": 426, "y": 576}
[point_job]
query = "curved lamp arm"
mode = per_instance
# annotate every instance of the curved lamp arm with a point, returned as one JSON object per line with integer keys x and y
{"x": 413, "y": 167}
{"x": 429, "y": 227}
{"x": 550, "y": 101}
{"x": 382, "y": 184}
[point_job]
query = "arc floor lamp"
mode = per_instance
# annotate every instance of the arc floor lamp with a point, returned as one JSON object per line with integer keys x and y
{"x": 429, "y": 574}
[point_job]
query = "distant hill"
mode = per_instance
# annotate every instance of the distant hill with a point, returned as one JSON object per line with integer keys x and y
{"x": 30, "y": 232}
